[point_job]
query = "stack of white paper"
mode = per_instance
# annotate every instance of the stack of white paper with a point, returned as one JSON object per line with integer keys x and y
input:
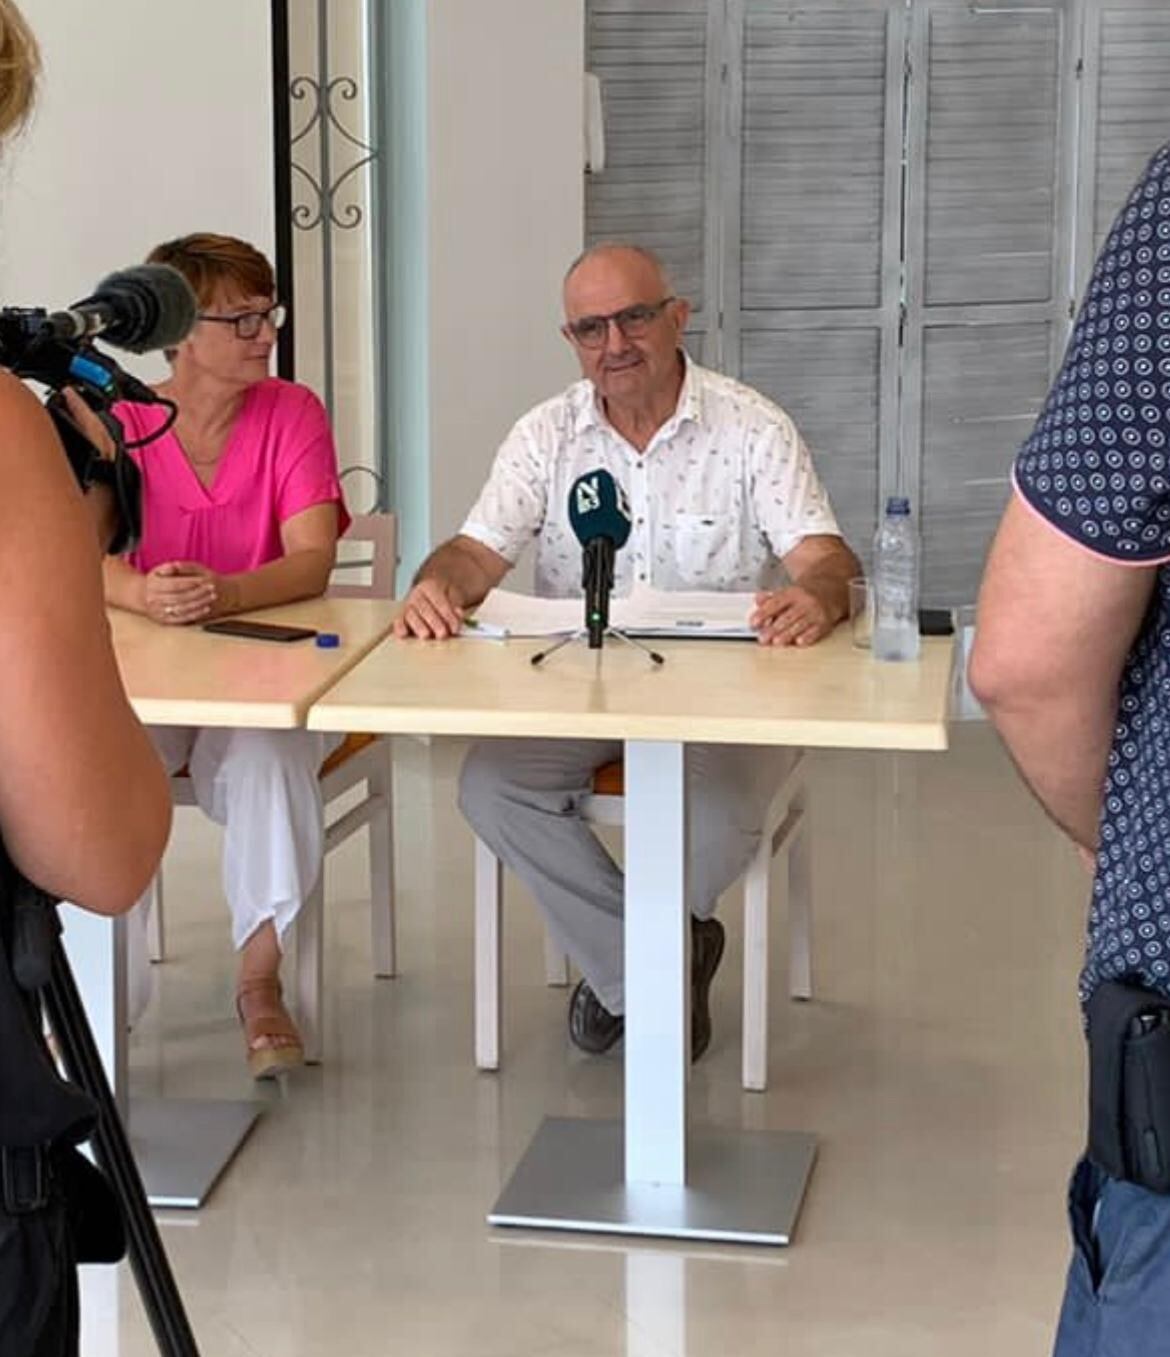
{"x": 644, "y": 612}
{"x": 659, "y": 612}
{"x": 504, "y": 613}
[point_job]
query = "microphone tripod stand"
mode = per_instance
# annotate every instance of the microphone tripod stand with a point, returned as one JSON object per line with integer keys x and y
{"x": 597, "y": 581}
{"x": 83, "y": 1065}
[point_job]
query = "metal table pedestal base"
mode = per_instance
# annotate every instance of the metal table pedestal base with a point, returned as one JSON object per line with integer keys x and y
{"x": 182, "y": 1146}
{"x": 742, "y": 1187}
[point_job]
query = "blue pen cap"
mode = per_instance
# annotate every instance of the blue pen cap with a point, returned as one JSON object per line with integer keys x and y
{"x": 328, "y": 640}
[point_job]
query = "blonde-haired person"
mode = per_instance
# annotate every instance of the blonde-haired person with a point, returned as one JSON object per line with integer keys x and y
{"x": 19, "y": 68}
{"x": 84, "y": 802}
{"x": 242, "y": 509}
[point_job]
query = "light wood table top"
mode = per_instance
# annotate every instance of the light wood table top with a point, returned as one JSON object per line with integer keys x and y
{"x": 718, "y": 692}
{"x": 184, "y": 676}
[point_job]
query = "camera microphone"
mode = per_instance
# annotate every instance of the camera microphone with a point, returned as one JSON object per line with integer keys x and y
{"x": 147, "y": 307}
{"x": 139, "y": 309}
{"x": 600, "y": 516}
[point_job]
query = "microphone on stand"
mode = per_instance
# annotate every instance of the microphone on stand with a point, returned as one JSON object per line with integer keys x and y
{"x": 600, "y": 516}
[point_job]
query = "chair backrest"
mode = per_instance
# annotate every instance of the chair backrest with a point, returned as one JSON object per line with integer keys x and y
{"x": 380, "y": 532}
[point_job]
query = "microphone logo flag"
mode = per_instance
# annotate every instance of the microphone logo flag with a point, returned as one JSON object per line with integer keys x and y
{"x": 588, "y": 494}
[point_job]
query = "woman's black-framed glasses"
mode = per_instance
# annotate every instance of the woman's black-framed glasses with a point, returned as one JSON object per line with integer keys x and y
{"x": 249, "y": 323}
{"x": 633, "y": 322}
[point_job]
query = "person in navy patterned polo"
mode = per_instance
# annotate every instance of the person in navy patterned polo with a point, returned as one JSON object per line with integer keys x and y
{"x": 1072, "y": 663}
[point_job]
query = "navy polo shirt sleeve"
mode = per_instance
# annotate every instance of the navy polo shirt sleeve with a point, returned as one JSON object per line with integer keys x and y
{"x": 1097, "y": 464}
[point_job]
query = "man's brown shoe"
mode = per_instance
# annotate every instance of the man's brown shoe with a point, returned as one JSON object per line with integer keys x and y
{"x": 593, "y": 1028}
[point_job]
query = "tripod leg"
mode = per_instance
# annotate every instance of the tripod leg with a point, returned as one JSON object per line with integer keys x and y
{"x": 652, "y": 655}
{"x": 152, "y": 1270}
{"x": 542, "y": 655}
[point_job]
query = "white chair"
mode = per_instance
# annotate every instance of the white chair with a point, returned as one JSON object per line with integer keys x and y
{"x": 785, "y": 833}
{"x": 360, "y": 758}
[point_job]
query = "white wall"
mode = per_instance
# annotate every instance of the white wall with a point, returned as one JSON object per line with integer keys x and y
{"x": 154, "y": 120}
{"x": 505, "y": 203}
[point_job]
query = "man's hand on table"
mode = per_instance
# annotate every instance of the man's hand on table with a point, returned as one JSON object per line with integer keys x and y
{"x": 792, "y": 616}
{"x": 432, "y": 612}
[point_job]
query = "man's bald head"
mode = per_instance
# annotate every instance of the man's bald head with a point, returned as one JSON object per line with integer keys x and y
{"x": 625, "y": 323}
{"x": 633, "y": 264}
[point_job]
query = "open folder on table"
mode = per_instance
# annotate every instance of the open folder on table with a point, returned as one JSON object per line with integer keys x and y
{"x": 643, "y": 612}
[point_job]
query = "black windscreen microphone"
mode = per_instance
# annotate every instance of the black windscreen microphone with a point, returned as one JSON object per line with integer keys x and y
{"x": 600, "y": 515}
{"x": 139, "y": 309}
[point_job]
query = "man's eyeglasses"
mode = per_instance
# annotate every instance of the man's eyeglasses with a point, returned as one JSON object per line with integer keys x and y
{"x": 591, "y": 332}
{"x": 249, "y": 323}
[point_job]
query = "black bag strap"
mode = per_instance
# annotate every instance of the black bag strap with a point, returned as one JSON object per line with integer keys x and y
{"x": 1110, "y": 1012}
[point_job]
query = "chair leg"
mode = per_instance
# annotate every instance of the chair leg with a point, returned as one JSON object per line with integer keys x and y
{"x": 383, "y": 924}
{"x": 489, "y": 880}
{"x": 308, "y": 928}
{"x": 755, "y": 969}
{"x": 800, "y": 982}
{"x": 155, "y": 929}
{"x": 556, "y": 963}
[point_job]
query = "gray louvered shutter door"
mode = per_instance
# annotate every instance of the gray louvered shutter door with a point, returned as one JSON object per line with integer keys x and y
{"x": 651, "y": 57}
{"x": 1125, "y": 111}
{"x": 990, "y": 153}
{"x": 811, "y": 273}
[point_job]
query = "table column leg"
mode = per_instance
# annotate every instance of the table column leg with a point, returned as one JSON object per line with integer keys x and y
{"x": 648, "y": 1176}
{"x": 96, "y": 948}
{"x": 657, "y": 991}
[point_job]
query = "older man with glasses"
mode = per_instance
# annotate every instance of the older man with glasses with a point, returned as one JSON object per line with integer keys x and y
{"x": 724, "y": 496}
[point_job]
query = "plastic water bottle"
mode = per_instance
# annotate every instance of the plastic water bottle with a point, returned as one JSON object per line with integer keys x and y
{"x": 895, "y": 584}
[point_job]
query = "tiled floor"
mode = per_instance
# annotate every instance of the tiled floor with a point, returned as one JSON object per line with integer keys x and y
{"x": 940, "y": 1064}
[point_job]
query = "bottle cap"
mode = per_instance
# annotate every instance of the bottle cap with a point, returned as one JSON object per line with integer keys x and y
{"x": 328, "y": 640}
{"x": 897, "y": 505}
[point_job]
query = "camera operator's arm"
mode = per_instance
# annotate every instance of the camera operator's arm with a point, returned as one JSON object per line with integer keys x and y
{"x": 84, "y": 802}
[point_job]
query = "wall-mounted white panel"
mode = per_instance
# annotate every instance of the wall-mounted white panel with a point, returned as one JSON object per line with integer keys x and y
{"x": 506, "y": 207}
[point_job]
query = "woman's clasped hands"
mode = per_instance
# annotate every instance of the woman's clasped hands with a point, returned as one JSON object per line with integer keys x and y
{"x": 177, "y": 593}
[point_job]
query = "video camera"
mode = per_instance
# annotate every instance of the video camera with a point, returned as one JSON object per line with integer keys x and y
{"x": 138, "y": 309}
